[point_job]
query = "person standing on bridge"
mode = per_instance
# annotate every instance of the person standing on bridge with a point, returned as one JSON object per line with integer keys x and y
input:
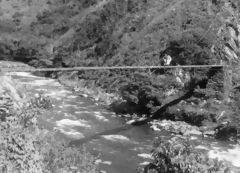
{"x": 167, "y": 59}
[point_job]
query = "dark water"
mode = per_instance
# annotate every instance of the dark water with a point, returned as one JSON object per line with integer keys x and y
{"x": 120, "y": 150}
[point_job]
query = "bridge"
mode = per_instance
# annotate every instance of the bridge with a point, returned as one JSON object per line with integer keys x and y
{"x": 9, "y": 66}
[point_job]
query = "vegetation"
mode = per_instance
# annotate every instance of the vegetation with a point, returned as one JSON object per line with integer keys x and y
{"x": 68, "y": 33}
{"x": 113, "y": 33}
{"x": 24, "y": 147}
{"x": 177, "y": 155}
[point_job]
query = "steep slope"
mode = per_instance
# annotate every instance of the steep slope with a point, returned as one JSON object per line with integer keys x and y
{"x": 68, "y": 33}
{"x": 131, "y": 32}
{"x": 135, "y": 30}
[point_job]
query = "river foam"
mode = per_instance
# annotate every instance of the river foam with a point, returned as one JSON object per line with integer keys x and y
{"x": 145, "y": 156}
{"x": 229, "y": 155}
{"x": 99, "y": 116}
{"x": 71, "y": 133}
{"x": 116, "y": 138}
{"x": 67, "y": 122}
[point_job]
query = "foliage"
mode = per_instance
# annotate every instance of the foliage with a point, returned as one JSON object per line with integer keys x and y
{"x": 177, "y": 155}
{"x": 26, "y": 148}
{"x": 133, "y": 32}
{"x": 86, "y": 87}
{"x": 58, "y": 157}
{"x": 191, "y": 49}
{"x": 145, "y": 92}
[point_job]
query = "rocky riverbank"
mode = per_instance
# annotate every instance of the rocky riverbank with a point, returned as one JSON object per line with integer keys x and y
{"x": 181, "y": 118}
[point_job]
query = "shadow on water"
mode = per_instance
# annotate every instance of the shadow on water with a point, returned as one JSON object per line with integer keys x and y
{"x": 113, "y": 131}
{"x": 98, "y": 135}
{"x": 123, "y": 150}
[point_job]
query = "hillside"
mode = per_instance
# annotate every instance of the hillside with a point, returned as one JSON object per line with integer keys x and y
{"x": 127, "y": 32}
{"x": 116, "y": 33}
{"x": 68, "y": 33}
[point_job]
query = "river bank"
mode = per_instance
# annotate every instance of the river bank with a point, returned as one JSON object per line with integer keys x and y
{"x": 115, "y": 102}
{"x": 209, "y": 146}
{"x": 199, "y": 136}
{"x": 194, "y": 133}
{"x": 76, "y": 118}
{"x": 25, "y": 145}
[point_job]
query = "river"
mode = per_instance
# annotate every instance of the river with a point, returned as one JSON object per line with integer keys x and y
{"x": 76, "y": 117}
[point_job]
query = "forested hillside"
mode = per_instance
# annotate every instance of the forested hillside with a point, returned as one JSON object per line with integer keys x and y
{"x": 68, "y": 33}
{"x": 109, "y": 32}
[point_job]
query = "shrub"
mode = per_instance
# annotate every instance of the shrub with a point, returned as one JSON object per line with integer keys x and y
{"x": 24, "y": 148}
{"x": 60, "y": 158}
{"x": 177, "y": 155}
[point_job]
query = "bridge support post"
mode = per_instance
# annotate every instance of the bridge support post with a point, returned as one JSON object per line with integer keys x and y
{"x": 227, "y": 82}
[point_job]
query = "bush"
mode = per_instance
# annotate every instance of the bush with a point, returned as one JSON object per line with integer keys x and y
{"x": 177, "y": 155}
{"x": 58, "y": 157}
{"x": 24, "y": 148}
{"x": 143, "y": 98}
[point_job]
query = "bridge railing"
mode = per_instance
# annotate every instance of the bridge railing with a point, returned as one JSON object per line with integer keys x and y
{"x": 31, "y": 69}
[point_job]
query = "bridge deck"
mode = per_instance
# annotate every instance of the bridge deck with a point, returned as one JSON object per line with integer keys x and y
{"x": 8, "y": 66}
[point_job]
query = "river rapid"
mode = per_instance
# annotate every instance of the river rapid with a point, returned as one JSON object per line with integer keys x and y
{"x": 119, "y": 150}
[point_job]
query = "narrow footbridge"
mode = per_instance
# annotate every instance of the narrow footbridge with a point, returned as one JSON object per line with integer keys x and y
{"x": 12, "y": 67}
{"x": 9, "y": 66}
